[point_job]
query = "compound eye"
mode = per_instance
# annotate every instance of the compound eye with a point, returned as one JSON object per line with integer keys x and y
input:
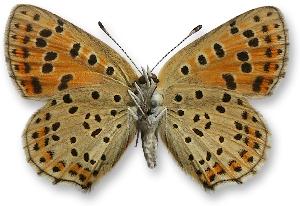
{"x": 154, "y": 77}
{"x": 142, "y": 80}
{"x": 155, "y": 80}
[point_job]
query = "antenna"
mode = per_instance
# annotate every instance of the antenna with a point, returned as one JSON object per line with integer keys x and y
{"x": 195, "y": 30}
{"x": 106, "y": 32}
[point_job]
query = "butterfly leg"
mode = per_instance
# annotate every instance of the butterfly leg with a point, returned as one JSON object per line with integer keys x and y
{"x": 137, "y": 138}
{"x": 156, "y": 117}
{"x": 133, "y": 112}
{"x": 137, "y": 102}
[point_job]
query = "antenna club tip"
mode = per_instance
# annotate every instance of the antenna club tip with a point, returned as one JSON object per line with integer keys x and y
{"x": 196, "y": 29}
{"x": 100, "y": 24}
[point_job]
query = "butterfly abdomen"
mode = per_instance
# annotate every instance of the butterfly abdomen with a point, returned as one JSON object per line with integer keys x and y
{"x": 149, "y": 142}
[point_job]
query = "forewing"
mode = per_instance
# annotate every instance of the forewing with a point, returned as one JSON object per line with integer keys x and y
{"x": 246, "y": 55}
{"x": 215, "y": 135}
{"x": 47, "y": 54}
{"x": 80, "y": 135}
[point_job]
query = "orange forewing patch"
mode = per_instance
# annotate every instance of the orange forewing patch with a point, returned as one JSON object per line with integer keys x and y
{"x": 246, "y": 55}
{"x": 47, "y": 54}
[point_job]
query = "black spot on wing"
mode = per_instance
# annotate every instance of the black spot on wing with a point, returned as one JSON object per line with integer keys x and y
{"x": 37, "y": 87}
{"x": 64, "y": 81}
{"x": 256, "y": 85}
{"x": 230, "y": 82}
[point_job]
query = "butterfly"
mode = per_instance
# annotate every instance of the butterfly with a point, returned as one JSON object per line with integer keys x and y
{"x": 97, "y": 103}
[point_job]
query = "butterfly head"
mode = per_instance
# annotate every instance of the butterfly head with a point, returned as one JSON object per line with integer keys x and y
{"x": 142, "y": 79}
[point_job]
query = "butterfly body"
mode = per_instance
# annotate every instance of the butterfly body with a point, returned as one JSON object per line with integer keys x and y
{"x": 148, "y": 113}
{"x": 96, "y": 102}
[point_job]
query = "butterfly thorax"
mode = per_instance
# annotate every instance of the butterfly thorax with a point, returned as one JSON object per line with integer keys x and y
{"x": 147, "y": 113}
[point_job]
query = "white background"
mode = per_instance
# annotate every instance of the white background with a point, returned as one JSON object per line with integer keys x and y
{"x": 147, "y": 30}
